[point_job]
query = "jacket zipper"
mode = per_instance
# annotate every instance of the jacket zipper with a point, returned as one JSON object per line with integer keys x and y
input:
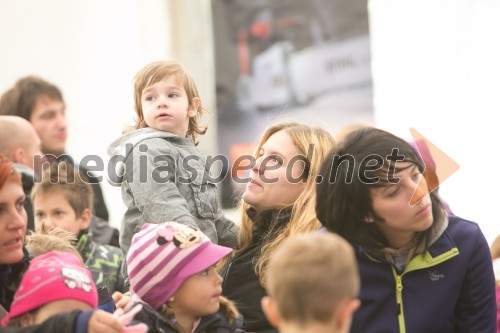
{"x": 426, "y": 262}
{"x": 399, "y": 301}
{"x": 413, "y": 266}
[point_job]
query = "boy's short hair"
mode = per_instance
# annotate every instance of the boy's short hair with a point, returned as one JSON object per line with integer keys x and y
{"x": 157, "y": 71}
{"x": 56, "y": 239}
{"x": 22, "y": 97}
{"x": 310, "y": 274}
{"x": 63, "y": 178}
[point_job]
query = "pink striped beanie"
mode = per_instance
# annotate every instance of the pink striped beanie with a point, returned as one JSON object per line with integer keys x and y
{"x": 163, "y": 256}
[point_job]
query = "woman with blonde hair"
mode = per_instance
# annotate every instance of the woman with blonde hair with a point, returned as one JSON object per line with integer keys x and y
{"x": 278, "y": 203}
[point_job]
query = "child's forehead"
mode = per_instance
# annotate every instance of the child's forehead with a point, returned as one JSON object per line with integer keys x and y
{"x": 57, "y": 193}
{"x": 176, "y": 78}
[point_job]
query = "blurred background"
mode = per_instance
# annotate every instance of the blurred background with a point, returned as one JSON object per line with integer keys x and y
{"x": 430, "y": 65}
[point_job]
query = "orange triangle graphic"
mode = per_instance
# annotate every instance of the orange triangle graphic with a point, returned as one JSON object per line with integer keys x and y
{"x": 438, "y": 166}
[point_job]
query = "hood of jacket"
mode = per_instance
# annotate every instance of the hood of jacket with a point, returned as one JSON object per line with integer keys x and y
{"x": 124, "y": 145}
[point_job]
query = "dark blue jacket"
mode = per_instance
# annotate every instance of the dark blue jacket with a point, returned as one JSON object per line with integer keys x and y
{"x": 448, "y": 289}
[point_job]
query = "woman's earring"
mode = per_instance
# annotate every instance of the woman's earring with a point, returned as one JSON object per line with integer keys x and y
{"x": 369, "y": 220}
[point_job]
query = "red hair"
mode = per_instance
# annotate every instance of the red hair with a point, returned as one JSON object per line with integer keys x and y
{"x": 7, "y": 172}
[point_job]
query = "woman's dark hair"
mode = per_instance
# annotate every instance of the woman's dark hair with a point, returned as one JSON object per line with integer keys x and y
{"x": 343, "y": 196}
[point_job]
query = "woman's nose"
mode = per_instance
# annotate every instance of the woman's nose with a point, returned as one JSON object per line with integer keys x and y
{"x": 258, "y": 167}
{"x": 19, "y": 219}
{"x": 421, "y": 191}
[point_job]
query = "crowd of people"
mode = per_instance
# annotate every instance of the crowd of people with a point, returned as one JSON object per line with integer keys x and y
{"x": 333, "y": 236}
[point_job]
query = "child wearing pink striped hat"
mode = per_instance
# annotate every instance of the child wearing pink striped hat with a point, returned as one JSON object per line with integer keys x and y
{"x": 171, "y": 268}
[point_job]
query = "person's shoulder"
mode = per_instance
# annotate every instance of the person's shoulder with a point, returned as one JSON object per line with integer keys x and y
{"x": 229, "y": 315}
{"x": 466, "y": 234}
{"x": 460, "y": 225}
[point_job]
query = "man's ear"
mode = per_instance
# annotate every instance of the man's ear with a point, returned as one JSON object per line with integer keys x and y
{"x": 343, "y": 313}
{"x": 18, "y": 156}
{"x": 193, "y": 109}
{"x": 269, "y": 307}
{"x": 85, "y": 219}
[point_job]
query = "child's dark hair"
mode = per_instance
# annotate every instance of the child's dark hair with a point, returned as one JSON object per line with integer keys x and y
{"x": 20, "y": 100}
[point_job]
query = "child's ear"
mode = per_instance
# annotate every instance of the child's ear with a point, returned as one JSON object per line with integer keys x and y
{"x": 85, "y": 219}
{"x": 344, "y": 312}
{"x": 195, "y": 104}
{"x": 269, "y": 307}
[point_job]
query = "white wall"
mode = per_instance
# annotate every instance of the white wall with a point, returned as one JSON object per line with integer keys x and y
{"x": 90, "y": 49}
{"x": 436, "y": 67}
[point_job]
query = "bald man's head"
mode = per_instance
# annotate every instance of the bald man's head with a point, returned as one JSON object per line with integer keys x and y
{"x": 19, "y": 141}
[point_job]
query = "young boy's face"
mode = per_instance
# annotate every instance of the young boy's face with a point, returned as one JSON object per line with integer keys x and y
{"x": 199, "y": 295}
{"x": 165, "y": 107}
{"x": 54, "y": 208}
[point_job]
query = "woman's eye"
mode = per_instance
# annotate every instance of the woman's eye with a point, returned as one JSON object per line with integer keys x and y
{"x": 276, "y": 159}
{"x": 205, "y": 272}
{"x": 172, "y": 95}
{"x": 40, "y": 216}
{"x": 20, "y": 204}
{"x": 393, "y": 193}
{"x": 149, "y": 98}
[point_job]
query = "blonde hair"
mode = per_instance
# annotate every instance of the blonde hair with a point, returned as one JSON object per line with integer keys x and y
{"x": 309, "y": 275}
{"x": 47, "y": 240}
{"x": 344, "y": 131}
{"x": 227, "y": 308}
{"x": 495, "y": 248}
{"x": 23, "y": 320}
{"x": 303, "y": 218}
{"x": 158, "y": 71}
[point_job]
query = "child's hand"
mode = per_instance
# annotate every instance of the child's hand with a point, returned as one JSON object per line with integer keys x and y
{"x": 122, "y": 301}
{"x": 104, "y": 322}
{"x": 125, "y": 318}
